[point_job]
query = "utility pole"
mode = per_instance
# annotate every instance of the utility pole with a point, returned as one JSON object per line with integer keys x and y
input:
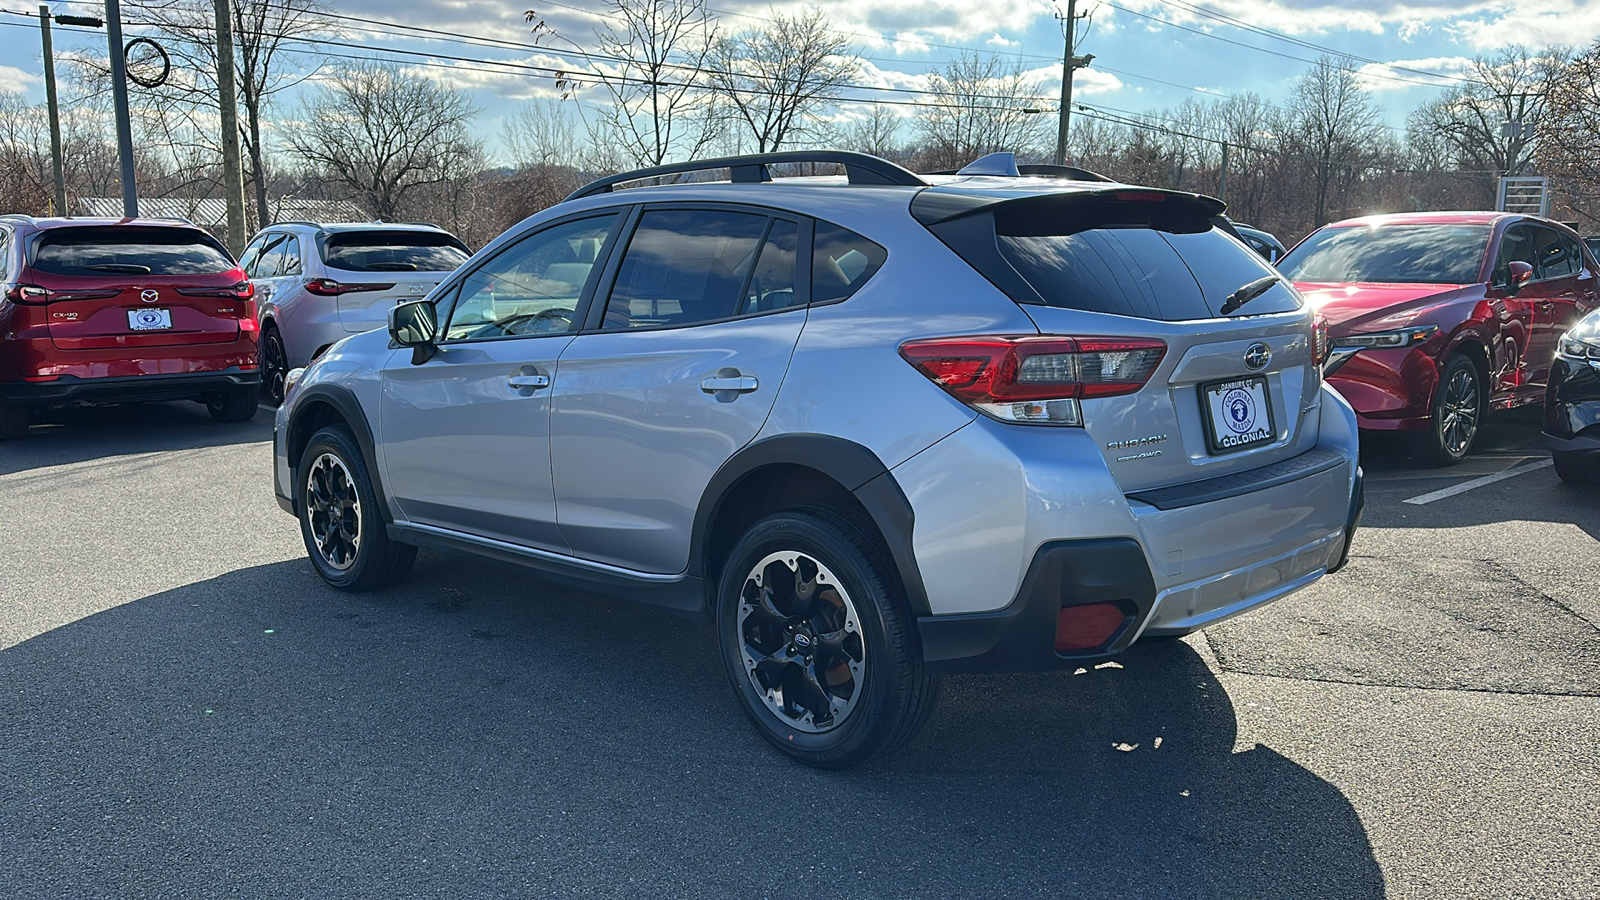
{"x": 1069, "y": 64}
{"x": 1222, "y": 189}
{"x": 119, "y": 102}
{"x": 55, "y": 116}
{"x": 232, "y": 171}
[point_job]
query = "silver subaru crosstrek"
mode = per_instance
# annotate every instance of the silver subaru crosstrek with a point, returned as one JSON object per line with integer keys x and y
{"x": 320, "y": 283}
{"x": 875, "y": 428}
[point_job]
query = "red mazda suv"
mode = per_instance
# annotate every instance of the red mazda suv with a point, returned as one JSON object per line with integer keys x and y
{"x": 1436, "y": 318}
{"x": 117, "y": 311}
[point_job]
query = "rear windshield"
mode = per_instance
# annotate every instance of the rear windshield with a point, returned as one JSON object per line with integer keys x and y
{"x": 125, "y": 250}
{"x": 393, "y": 251}
{"x": 1390, "y": 254}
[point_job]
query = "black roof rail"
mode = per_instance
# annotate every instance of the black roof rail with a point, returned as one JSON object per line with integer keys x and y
{"x": 296, "y": 222}
{"x": 1072, "y": 172}
{"x": 184, "y": 219}
{"x": 861, "y": 168}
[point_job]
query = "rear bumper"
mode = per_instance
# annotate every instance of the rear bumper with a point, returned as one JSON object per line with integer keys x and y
{"x": 68, "y": 389}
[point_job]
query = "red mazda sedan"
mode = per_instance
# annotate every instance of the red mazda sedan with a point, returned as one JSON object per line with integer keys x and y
{"x": 1437, "y": 318}
{"x": 118, "y": 311}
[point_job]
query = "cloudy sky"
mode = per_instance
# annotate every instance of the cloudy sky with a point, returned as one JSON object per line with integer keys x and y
{"x": 1149, "y": 54}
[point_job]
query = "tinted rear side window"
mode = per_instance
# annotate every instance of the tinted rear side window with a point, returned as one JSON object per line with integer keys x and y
{"x": 393, "y": 251}
{"x": 1142, "y": 272}
{"x": 841, "y": 262}
{"x": 1390, "y": 254}
{"x": 129, "y": 251}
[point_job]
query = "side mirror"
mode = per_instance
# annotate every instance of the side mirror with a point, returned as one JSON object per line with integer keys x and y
{"x": 1520, "y": 274}
{"x": 415, "y": 325}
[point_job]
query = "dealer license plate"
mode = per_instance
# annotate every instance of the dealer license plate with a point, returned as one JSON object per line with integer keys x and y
{"x": 149, "y": 319}
{"x": 1238, "y": 414}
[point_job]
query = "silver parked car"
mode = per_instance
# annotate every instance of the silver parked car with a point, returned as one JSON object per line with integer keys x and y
{"x": 875, "y": 428}
{"x": 320, "y": 283}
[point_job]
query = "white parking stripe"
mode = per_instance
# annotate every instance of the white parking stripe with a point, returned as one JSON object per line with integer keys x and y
{"x": 1465, "y": 486}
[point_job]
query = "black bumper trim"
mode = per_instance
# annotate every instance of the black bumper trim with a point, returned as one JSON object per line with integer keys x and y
{"x": 1358, "y": 505}
{"x": 1021, "y": 637}
{"x": 1238, "y": 484}
{"x": 1587, "y": 442}
{"x": 179, "y": 386}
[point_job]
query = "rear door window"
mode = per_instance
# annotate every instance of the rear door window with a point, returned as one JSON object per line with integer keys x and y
{"x": 393, "y": 251}
{"x": 685, "y": 266}
{"x": 1557, "y": 257}
{"x": 125, "y": 250}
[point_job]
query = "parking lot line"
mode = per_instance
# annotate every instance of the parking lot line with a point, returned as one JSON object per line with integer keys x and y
{"x": 1465, "y": 486}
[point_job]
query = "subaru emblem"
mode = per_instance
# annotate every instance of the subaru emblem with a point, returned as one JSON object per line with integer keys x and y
{"x": 149, "y": 296}
{"x": 1257, "y": 356}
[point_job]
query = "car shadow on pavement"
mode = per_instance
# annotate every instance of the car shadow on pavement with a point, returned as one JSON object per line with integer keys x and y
{"x": 481, "y": 733}
{"x": 65, "y": 436}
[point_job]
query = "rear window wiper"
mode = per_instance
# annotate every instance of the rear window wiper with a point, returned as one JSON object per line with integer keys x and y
{"x": 1249, "y": 292}
{"x": 127, "y": 268}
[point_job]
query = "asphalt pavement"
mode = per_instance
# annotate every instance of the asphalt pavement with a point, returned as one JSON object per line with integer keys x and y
{"x": 187, "y": 711}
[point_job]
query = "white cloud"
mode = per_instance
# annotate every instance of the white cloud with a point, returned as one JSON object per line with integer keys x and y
{"x": 15, "y": 80}
{"x": 998, "y": 40}
{"x": 1393, "y": 76}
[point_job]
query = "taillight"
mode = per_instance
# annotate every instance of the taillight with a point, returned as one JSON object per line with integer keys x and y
{"x": 1320, "y": 344}
{"x": 27, "y": 293}
{"x": 1036, "y": 379}
{"x": 247, "y": 317}
{"x": 327, "y": 287}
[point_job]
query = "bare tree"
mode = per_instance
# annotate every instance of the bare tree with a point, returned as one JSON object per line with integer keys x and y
{"x": 877, "y": 133}
{"x": 265, "y": 63}
{"x": 655, "y": 54}
{"x": 980, "y": 104}
{"x": 1567, "y": 135}
{"x": 1468, "y": 122}
{"x": 1335, "y": 125}
{"x": 774, "y": 79}
{"x": 540, "y": 133}
{"x": 384, "y": 133}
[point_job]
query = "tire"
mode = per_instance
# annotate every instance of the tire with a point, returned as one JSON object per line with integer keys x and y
{"x": 234, "y": 406}
{"x": 1577, "y": 468}
{"x": 340, "y": 522}
{"x": 825, "y": 593}
{"x": 14, "y": 422}
{"x": 1456, "y": 414}
{"x": 274, "y": 365}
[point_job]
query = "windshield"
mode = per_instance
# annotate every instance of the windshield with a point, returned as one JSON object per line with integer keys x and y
{"x": 125, "y": 250}
{"x": 393, "y": 251}
{"x": 1390, "y": 254}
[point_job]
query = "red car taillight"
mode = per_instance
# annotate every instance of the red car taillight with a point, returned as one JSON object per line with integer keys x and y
{"x": 244, "y": 290}
{"x": 327, "y": 287}
{"x": 1036, "y": 379}
{"x": 1320, "y": 344}
{"x": 27, "y": 293}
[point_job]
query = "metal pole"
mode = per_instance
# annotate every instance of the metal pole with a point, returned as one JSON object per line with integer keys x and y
{"x": 55, "y": 114}
{"x": 232, "y": 171}
{"x": 1222, "y": 191}
{"x": 119, "y": 100}
{"x": 1068, "y": 64}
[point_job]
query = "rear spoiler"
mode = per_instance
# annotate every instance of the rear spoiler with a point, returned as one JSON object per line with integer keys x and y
{"x": 939, "y": 204}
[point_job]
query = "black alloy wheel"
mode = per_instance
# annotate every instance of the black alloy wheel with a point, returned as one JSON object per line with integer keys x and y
{"x": 340, "y": 523}
{"x": 817, "y": 638}
{"x": 274, "y": 365}
{"x": 1457, "y": 413}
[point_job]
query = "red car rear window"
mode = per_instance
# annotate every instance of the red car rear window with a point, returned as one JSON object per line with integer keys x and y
{"x": 123, "y": 250}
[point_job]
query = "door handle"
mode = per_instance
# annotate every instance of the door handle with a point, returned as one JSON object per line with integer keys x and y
{"x": 739, "y": 384}
{"x": 529, "y": 381}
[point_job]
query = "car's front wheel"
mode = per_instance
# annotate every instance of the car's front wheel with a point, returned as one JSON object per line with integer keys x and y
{"x": 1459, "y": 401}
{"x": 1577, "y": 468}
{"x": 340, "y": 522}
{"x": 238, "y": 405}
{"x": 818, "y": 640}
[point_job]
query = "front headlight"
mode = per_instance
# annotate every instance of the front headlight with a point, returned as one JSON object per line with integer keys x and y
{"x": 1582, "y": 341}
{"x": 1385, "y": 340}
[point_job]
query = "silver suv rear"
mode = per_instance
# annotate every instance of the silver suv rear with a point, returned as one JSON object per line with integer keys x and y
{"x": 320, "y": 283}
{"x": 875, "y": 428}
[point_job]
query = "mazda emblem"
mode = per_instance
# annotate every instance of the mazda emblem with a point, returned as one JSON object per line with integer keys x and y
{"x": 1257, "y": 356}
{"x": 149, "y": 296}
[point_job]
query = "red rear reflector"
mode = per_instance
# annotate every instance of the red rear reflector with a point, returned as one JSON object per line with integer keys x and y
{"x": 1087, "y": 627}
{"x": 40, "y": 377}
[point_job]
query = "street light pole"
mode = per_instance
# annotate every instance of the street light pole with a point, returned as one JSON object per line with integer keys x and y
{"x": 59, "y": 176}
{"x": 119, "y": 102}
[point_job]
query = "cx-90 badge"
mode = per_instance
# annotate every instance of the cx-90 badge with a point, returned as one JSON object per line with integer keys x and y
{"x": 1257, "y": 356}
{"x": 149, "y": 296}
